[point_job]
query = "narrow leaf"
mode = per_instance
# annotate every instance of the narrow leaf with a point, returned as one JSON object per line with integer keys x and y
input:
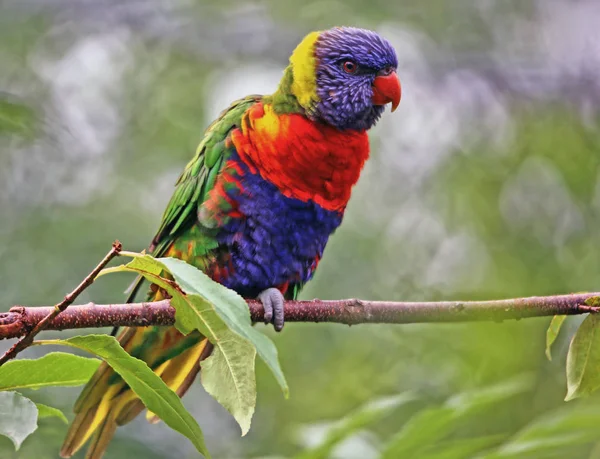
{"x": 18, "y": 417}
{"x": 583, "y": 359}
{"x": 562, "y": 428}
{"x": 552, "y": 333}
{"x": 353, "y": 423}
{"x": 153, "y": 392}
{"x": 53, "y": 369}
{"x": 433, "y": 424}
{"x": 462, "y": 449}
{"x": 420, "y": 431}
{"x": 45, "y": 411}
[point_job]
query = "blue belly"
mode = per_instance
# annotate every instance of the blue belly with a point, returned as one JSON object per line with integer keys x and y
{"x": 279, "y": 240}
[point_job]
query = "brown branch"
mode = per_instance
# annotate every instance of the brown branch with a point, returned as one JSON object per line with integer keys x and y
{"x": 21, "y": 320}
{"x": 51, "y": 313}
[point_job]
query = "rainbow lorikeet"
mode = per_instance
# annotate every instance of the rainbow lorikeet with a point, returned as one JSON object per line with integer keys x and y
{"x": 256, "y": 205}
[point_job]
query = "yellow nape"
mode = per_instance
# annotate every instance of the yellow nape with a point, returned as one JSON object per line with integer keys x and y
{"x": 304, "y": 63}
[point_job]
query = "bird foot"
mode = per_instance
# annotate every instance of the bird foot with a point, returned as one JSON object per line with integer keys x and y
{"x": 272, "y": 301}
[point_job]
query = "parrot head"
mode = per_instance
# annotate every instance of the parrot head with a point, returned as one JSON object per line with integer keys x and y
{"x": 345, "y": 77}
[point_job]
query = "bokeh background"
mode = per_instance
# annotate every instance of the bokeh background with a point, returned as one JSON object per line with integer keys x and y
{"x": 484, "y": 184}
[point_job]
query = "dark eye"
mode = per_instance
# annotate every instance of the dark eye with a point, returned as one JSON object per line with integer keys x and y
{"x": 350, "y": 67}
{"x": 385, "y": 71}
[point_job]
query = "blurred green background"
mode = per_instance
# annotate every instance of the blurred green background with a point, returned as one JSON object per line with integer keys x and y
{"x": 484, "y": 184}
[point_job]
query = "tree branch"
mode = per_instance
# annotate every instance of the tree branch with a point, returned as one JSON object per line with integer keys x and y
{"x": 21, "y": 320}
{"x": 51, "y": 313}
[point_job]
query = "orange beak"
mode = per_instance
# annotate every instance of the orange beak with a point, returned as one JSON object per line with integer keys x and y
{"x": 386, "y": 89}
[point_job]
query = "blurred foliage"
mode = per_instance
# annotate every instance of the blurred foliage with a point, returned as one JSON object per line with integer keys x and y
{"x": 484, "y": 184}
{"x": 15, "y": 118}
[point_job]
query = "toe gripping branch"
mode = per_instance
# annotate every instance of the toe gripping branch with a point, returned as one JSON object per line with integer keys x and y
{"x": 273, "y": 301}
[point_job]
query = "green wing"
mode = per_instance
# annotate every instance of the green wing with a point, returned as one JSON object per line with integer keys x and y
{"x": 199, "y": 176}
{"x": 196, "y": 181}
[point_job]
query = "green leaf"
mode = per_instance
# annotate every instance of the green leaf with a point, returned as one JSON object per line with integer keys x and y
{"x": 231, "y": 380}
{"x": 232, "y": 309}
{"x": 223, "y": 317}
{"x": 433, "y": 424}
{"x": 420, "y": 431}
{"x": 53, "y": 369}
{"x": 472, "y": 402}
{"x": 462, "y": 449}
{"x": 18, "y": 417}
{"x": 153, "y": 392}
{"x": 228, "y": 374}
{"x": 15, "y": 117}
{"x": 583, "y": 359}
{"x": 45, "y": 411}
{"x": 576, "y": 425}
{"x": 552, "y": 333}
{"x": 354, "y": 422}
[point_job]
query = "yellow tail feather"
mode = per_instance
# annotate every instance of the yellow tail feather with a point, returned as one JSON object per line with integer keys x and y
{"x": 179, "y": 373}
{"x": 105, "y": 403}
{"x": 108, "y": 426}
{"x": 101, "y": 439}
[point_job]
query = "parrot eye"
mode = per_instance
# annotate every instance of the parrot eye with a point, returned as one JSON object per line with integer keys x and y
{"x": 350, "y": 67}
{"x": 387, "y": 70}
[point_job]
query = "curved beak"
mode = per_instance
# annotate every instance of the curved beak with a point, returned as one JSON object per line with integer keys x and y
{"x": 386, "y": 89}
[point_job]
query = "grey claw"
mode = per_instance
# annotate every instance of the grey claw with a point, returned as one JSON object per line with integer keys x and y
{"x": 265, "y": 299}
{"x": 278, "y": 320}
{"x": 272, "y": 300}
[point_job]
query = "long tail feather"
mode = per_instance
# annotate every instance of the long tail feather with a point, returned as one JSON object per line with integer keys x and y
{"x": 107, "y": 402}
{"x": 179, "y": 373}
{"x": 101, "y": 438}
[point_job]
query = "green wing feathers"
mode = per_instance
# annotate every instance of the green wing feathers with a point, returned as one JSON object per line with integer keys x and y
{"x": 193, "y": 185}
{"x": 199, "y": 176}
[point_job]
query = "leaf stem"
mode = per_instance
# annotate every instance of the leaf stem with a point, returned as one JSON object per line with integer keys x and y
{"x": 125, "y": 253}
{"x": 113, "y": 269}
{"x": 26, "y": 341}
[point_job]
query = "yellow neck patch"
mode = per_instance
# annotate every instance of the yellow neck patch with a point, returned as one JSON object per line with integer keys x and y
{"x": 304, "y": 64}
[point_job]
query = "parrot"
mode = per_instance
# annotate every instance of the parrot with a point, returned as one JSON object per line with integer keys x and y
{"x": 255, "y": 206}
